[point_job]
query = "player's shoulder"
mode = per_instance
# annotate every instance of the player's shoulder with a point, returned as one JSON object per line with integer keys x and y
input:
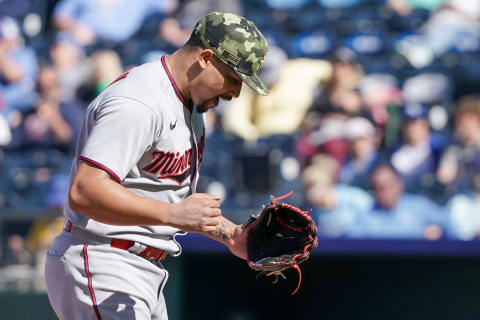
{"x": 146, "y": 83}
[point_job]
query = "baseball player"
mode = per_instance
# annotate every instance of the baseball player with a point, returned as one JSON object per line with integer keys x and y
{"x": 133, "y": 179}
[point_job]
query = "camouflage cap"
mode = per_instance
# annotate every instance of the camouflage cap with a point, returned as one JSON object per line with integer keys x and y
{"x": 237, "y": 42}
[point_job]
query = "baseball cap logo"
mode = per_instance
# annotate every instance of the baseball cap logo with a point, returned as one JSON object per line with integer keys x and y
{"x": 230, "y": 57}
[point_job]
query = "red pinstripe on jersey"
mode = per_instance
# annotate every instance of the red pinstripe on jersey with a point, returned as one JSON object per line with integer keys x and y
{"x": 101, "y": 166}
{"x": 174, "y": 85}
{"x": 90, "y": 285}
{"x": 123, "y": 76}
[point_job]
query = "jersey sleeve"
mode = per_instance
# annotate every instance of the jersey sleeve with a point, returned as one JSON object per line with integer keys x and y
{"x": 122, "y": 131}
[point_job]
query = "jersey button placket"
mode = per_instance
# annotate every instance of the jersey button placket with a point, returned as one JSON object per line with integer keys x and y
{"x": 193, "y": 160}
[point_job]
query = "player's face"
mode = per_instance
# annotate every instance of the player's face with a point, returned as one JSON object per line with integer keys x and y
{"x": 218, "y": 82}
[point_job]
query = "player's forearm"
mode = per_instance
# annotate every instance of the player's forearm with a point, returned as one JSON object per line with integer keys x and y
{"x": 96, "y": 196}
{"x": 225, "y": 231}
{"x": 231, "y": 235}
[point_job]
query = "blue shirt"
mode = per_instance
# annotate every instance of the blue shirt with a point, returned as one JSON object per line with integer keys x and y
{"x": 351, "y": 203}
{"x": 407, "y": 220}
{"x": 358, "y": 173}
{"x": 20, "y": 94}
{"x": 26, "y": 136}
{"x": 112, "y": 20}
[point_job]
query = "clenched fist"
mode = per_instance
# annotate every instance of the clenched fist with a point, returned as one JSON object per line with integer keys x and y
{"x": 199, "y": 212}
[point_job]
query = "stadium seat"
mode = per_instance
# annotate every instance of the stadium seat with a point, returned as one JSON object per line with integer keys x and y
{"x": 338, "y": 4}
{"x": 311, "y": 44}
{"x": 287, "y": 4}
{"x": 367, "y": 43}
{"x": 312, "y": 18}
{"x": 412, "y": 21}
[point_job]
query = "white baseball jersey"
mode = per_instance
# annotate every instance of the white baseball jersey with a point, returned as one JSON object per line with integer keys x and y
{"x": 142, "y": 132}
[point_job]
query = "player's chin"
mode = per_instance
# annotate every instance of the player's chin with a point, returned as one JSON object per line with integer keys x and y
{"x": 207, "y": 105}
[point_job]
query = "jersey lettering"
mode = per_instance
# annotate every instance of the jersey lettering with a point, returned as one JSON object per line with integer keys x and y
{"x": 174, "y": 166}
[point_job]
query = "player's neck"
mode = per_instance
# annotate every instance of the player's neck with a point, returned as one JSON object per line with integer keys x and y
{"x": 178, "y": 64}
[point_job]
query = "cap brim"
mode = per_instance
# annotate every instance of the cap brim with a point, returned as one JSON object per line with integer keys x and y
{"x": 255, "y": 84}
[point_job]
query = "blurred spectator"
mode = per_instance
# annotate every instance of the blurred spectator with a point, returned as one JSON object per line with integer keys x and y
{"x": 39, "y": 238}
{"x": 335, "y": 100}
{"x": 336, "y": 207}
{"x": 399, "y": 215}
{"x": 106, "y": 67}
{"x": 323, "y": 133}
{"x": 382, "y": 97}
{"x": 18, "y": 69}
{"x": 417, "y": 156}
{"x": 51, "y": 123}
{"x": 41, "y": 234}
{"x": 17, "y": 253}
{"x": 378, "y": 91}
{"x": 70, "y": 63}
{"x": 341, "y": 88}
{"x": 454, "y": 26}
{"x": 177, "y": 28}
{"x": 405, "y": 7}
{"x": 363, "y": 155}
{"x": 115, "y": 21}
{"x": 291, "y": 84}
{"x": 461, "y": 160}
{"x": 464, "y": 212}
{"x": 456, "y": 21}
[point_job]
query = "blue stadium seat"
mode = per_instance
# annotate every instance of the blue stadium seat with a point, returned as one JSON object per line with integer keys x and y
{"x": 339, "y": 4}
{"x": 262, "y": 17}
{"x": 287, "y": 4}
{"x": 352, "y": 20}
{"x": 308, "y": 44}
{"x": 413, "y": 21}
{"x": 312, "y": 18}
{"x": 367, "y": 43}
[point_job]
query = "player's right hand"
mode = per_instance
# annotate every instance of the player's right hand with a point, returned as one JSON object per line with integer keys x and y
{"x": 199, "y": 212}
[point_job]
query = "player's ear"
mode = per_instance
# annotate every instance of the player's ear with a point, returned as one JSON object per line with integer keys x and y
{"x": 205, "y": 58}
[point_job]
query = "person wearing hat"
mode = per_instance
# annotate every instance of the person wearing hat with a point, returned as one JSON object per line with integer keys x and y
{"x": 71, "y": 63}
{"x": 418, "y": 154}
{"x": 363, "y": 140}
{"x": 133, "y": 178}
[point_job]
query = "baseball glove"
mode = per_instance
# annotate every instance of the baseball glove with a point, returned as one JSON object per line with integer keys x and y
{"x": 280, "y": 237}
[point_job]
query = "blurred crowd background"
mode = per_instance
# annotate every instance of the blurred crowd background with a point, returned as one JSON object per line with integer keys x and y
{"x": 373, "y": 117}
